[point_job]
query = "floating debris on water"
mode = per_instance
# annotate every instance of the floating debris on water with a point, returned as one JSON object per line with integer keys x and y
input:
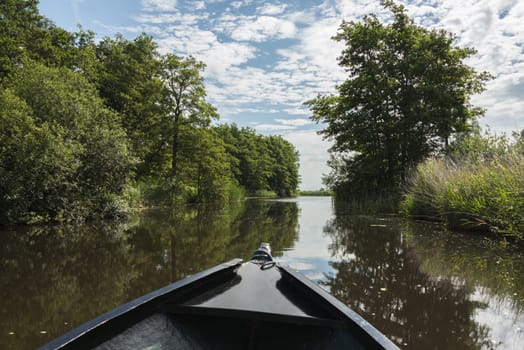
{"x": 383, "y": 289}
{"x": 11, "y": 333}
{"x": 43, "y": 332}
{"x": 377, "y": 225}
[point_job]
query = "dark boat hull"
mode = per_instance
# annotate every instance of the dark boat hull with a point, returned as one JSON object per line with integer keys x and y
{"x": 230, "y": 306}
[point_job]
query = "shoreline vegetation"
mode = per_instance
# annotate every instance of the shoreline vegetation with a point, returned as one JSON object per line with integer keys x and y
{"x": 98, "y": 128}
{"x": 479, "y": 186}
{"x": 316, "y": 193}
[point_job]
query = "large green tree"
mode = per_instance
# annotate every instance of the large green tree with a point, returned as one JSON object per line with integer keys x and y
{"x": 184, "y": 102}
{"x": 408, "y": 92}
{"x": 129, "y": 82}
{"x": 205, "y": 166}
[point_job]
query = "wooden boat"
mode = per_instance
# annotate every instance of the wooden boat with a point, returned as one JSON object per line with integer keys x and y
{"x": 254, "y": 305}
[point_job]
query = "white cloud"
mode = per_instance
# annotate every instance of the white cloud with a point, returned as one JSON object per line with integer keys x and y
{"x": 281, "y": 124}
{"x": 295, "y": 122}
{"x": 199, "y": 5}
{"x": 259, "y": 28}
{"x": 171, "y": 18}
{"x": 272, "y": 127}
{"x": 272, "y": 9}
{"x": 202, "y": 40}
{"x": 223, "y": 56}
{"x": 159, "y": 5}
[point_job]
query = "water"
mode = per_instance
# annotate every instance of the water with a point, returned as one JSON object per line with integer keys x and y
{"x": 425, "y": 288}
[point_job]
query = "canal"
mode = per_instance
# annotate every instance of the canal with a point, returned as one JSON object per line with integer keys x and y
{"x": 422, "y": 286}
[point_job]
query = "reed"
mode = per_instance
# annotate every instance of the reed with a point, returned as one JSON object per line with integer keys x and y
{"x": 386, "y": 202}
{"x": 474, "y": 193}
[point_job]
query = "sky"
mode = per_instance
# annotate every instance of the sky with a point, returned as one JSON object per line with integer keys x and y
{"x": 266, "y": 58}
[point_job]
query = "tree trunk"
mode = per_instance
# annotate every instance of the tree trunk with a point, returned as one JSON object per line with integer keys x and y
{"x": 174, "y": 159}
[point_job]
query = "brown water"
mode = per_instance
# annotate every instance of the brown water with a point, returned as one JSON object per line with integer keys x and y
{"x": 423, "y": 287}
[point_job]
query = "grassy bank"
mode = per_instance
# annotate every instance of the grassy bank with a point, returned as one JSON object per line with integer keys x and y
{"x": 480, "y": 187}
{"x": 377, "y": 203}
{"x": 318, "y": 193}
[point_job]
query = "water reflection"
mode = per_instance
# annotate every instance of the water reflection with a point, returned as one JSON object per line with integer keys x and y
{"x": 55, "y": 278}
{"x": 420, "y": 285}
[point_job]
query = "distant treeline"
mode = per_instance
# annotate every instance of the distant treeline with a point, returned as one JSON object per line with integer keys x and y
{"x": 315, "y": 193}
{"x": 88, "y": 129}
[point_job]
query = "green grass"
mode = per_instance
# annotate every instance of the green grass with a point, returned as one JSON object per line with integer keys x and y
{"x": 316, "y": 193}
{"x": 264, "y": 194}
{"x": 485, "y": 195}
{"x": 373, "y": 203}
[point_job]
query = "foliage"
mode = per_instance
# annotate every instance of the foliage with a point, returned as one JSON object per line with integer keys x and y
{"x": 129, "y": 82}
{"x": 478, "y": 186}
{"x": 25, "y": 33}
{"x": 284, "y": 178}
{"x": 407, "y": 93}
{"x": 184, "y": 101}
{"x": 90, "y": 127}
{"x": 261, "y": 164}
{"x": 64, "y": 153}
{"x": 248, "y": 156}
{"x": 204, "y": 163}
{"x": 37, "y": 164}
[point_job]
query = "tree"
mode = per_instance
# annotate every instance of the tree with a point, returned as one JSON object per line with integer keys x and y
{"x": 284, "y": 178}
{"x": 261, "y": 163}
{"x": 37, "y": 166}
{"x": 205, "y": 166}
{"x": 184, "y": 102}
{"x": 17, "y": 24}
{"x": 407, "y": 93}
{"x": 129, "y": 81}
{"x": 24, "y": 33}
{"x": 64, "y": 155}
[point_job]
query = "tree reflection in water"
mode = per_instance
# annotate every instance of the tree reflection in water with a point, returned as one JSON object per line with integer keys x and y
{"x": 378, "y": 275}
{"x": 419, "y": 285}
{"x": 54, "y": 278}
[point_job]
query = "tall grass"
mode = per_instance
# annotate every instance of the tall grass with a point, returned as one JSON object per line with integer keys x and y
{"x": 386, "y": 202}
{"x": 477, "y": 189}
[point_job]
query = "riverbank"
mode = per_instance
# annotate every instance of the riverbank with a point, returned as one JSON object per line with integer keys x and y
{"x": 317, "y": 193}
{"x": 479, "y": 188}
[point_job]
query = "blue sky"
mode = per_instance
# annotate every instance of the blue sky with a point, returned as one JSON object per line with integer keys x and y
{"x": 265, "y": 58}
